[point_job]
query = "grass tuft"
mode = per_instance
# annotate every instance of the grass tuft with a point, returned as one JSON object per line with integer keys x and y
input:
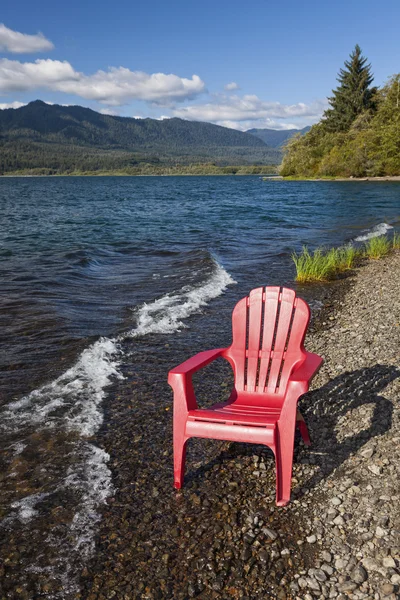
{"x": 377, "y": 247}
{"x": 323, "y": 265}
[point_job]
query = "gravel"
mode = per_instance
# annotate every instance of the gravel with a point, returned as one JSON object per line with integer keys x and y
{"x": 222, "y": 535}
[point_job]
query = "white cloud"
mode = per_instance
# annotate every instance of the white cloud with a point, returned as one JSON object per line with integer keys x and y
{"x": 250, "y": 111}
{"x": 16, "y": 42}
{"x": 113, "y": 87}
{"x": 229, "y": 87}
{"x": 109, "y": 111}
{"x": 14, "y": 104}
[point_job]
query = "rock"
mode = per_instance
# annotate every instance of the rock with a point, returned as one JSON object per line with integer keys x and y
{"x": 389, "y": 562}
{"x": 272, "y": 535}
{"x": 336, "y": 501}
{"x": 347, "y": 586}
{"x": 320, "y": 575}
{"x": 387, "y": 589}
{"x": 379, "y": 532}
{"x": 375, "y": 469}
{"x": 326, "y": 556}
{"x": 311, "y": 539}
{"x": 359, "y": 574}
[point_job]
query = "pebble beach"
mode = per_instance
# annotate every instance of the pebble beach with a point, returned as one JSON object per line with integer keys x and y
{"x": 222, "y": 536}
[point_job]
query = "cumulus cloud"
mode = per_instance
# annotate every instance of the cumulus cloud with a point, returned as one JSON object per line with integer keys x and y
{"x": 19, "y": 43}
{"x": 229, "y": 87}
{"x": 14, "y": 104}
{"x": 250, "y": 111}
{"x": 113, "y": 87}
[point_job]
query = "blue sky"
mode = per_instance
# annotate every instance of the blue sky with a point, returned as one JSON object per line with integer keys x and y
{"x": 254, "y": 64}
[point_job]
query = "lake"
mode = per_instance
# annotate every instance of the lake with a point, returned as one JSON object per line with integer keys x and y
{"x": 88, "y": 263}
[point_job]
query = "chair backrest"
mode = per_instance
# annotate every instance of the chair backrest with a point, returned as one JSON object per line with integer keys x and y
{"x": 268, "y": 329}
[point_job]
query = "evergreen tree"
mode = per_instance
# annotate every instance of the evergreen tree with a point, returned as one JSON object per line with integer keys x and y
{"x": 354, "y": 94}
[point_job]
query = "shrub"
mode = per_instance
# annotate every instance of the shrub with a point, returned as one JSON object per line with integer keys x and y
{"x": 377, "y": 247}
{"x": 396, "y": 241}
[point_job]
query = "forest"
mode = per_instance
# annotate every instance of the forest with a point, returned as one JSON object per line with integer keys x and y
{"x": 358, "y": 135}
{"x": 42, "y": 139}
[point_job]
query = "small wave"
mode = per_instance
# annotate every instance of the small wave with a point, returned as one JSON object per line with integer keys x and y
{"x": 72, "y": 400}
{"x": 376, "y": 231}
{"x": 93, "y": 479}
{"x": 72, "y": 403}
{"x": 166, "y": 314}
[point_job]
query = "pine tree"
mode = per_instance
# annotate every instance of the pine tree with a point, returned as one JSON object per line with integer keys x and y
{"x": 354, "y": 94}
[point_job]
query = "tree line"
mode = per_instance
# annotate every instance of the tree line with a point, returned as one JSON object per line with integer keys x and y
{"x": 358, "y": 135}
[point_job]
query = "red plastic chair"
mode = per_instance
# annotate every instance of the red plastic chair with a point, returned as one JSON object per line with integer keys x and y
{"x": 271, "y": 369}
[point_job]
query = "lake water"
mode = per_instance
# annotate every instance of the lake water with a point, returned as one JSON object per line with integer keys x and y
{"x": 86, "y": 263}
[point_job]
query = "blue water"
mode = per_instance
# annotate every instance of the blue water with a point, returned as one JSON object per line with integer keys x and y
{"x": 88, "y": 262}
{"x": 78, "y": 253}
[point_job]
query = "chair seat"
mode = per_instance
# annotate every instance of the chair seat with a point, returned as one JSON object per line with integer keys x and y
{"x": 237, "y": 414}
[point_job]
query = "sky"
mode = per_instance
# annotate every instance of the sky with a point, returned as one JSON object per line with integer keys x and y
{"x": 261, "y": 63}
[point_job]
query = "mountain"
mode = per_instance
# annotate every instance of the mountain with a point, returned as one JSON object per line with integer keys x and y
{"x": 276, "y": 138}
{"x": 68, "y": 138}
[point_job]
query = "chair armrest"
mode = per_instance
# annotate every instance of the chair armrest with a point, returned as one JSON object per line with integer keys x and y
{"x": 180, "y": 379}
{"x": 195, "y": 363}
{"x": 305, "y": 372}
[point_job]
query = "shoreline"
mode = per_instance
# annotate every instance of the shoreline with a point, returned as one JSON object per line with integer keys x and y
{"x": 222, "y": 536}
{"x": 358, "y": 179}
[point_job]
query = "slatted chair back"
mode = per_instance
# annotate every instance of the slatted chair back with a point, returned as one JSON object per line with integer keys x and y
{"x": 268, "y": 329}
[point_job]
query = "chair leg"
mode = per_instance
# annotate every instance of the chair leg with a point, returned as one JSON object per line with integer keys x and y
{"x": 179, "y": 460}
{"x": 284, "y": 463}
{"x": 301, "y": 424}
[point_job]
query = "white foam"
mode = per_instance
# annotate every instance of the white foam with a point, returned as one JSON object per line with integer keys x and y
{"x": 376, "y": 231}
{"x": 166, "y": 314}
{"x": 72, "y": 400}
{"x": 92, "y": 478}
{"x": 25, "y": 508}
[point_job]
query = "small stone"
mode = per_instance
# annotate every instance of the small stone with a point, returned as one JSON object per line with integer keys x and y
{"x": 379, "y": 532}
{"x": 327, "y": 568}
{"x": 370, "y": 564}
{"x": 339, "y": 520}
{"x": 313, "y": 584}
{"x": 375, "y": 469}
{"x": 320, "y": 575}
{"x": 359, "y": 574}
{"x": 389, "y": 562}
{"x": 387, "y": 589}
{"x": 326, "y": 556}
{"x": 311, "y": 539}
{"x": 367, "y": 453}
{"x": 270, "y": 533}
{"x": 285, "y": 552}
{"x": 347, "y": 586}
{"x": 395, "y": 579}
{"x": 336, "y": 501}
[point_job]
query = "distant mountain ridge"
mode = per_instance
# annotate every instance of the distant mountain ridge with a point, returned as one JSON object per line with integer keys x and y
{"x": 276, "y": 138}
{"x": 40, "y": 135}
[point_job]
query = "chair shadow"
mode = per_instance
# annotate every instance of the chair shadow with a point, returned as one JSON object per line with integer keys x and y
{"x": 322, "y": 410}
{"x": 324, "y": 407}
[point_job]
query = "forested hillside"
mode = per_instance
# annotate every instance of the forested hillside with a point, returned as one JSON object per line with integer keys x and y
{"x": 277, "y": 138}
{"x": 54, "y": 139}
{"x": 358, "y": 136}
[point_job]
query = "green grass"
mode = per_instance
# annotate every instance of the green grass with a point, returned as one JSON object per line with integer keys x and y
{"x": 327, "y": 264}
{"x": 324, "y": 265}
{"x": 377, "y": 247}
